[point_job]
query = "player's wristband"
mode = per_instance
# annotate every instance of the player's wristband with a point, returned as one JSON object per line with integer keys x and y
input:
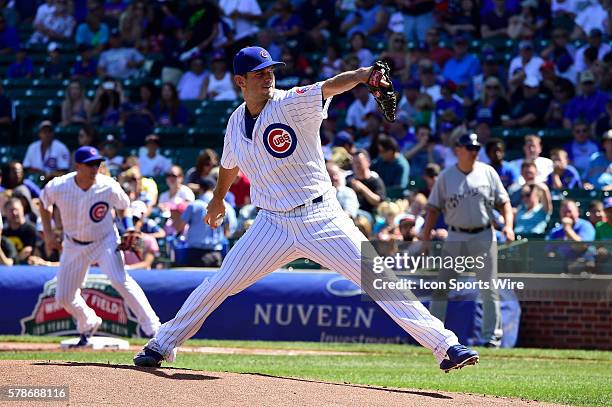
{"x": 128, "y": 223}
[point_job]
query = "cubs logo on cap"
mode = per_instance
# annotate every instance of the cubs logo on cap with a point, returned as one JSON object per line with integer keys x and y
{"x": 87, "y": 154}
{"x": 98, "y": 211}
{"x": 280, "y": 140}
{"x": 264, "y": 54}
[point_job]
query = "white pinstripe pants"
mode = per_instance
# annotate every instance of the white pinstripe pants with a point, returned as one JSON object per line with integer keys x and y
{"x": 321, "y": 232}
{"x": 75, "y": 262}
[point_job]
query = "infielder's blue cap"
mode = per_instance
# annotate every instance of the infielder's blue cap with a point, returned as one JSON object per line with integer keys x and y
{"x": 251, "y": 59}
{"x": 468, "y": 139}
{"x": 87, "y": 154}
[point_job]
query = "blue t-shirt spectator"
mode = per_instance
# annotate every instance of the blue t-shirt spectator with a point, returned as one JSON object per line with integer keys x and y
{"x": 165, "y": 118}
{"x": 586, "y": 107}
{"x": 9, "y": 39}
{"x": 508, "y": 173}
{"x": 20, "y": 69}
{"x": 580, "y": 153}
{"x": 582, "y": 227}
{"x": 598, "y": 167}
{"x": 453, "y": 105}
{"x": 532, "y": 220}
{"x": 84, "y": 35}
{"x": 200, "y": 235}
{"x": 395, "y": 174}
{"x": 570, "y": 178}
{"x": 86, "y": 69}
{"x": 461, "y": 71}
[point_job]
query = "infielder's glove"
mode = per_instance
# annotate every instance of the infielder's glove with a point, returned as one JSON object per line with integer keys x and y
{"x": 132, "y": 241}
{"x": 380, "y": 86}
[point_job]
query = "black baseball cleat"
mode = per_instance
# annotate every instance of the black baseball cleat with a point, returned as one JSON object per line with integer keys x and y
{"x": 83, "y": 341}
{"x": 148, "y": 358}
{"x": 458, "y": 357}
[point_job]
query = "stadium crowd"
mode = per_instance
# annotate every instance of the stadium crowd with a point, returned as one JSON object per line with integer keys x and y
{"x": 532, "y": 75}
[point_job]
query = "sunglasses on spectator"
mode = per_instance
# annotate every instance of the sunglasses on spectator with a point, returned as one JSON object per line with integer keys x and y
{"x": 525, "y": 195}
{"x": 172, "y": 175}
{"x": 580, "y": 130}
{"x": 492, "y": 87}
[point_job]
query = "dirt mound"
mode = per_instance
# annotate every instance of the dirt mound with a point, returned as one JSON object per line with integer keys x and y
{"x": 120, "y": 385}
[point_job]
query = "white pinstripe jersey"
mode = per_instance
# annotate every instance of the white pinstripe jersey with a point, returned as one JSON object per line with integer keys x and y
{"x": 86, "y": 215}
{"x": 283, "y": 160}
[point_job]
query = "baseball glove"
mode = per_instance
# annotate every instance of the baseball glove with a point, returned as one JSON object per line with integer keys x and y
{"x": 380, "y": 86}
{"x": 132, "y": 241}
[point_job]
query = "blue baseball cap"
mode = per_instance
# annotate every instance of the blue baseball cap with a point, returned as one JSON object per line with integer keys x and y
{"x": 87, "y": 154}
{"x": 251, "y": 59}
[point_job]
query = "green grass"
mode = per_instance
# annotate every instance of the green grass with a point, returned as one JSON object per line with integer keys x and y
{"x": 560, "y": 376}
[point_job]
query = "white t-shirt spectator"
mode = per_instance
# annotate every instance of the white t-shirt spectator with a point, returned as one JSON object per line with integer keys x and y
{"x": 593, "y": 16}
{"x": 544, "y": 166}
{"x": 57, "y": 157}
{"x": 43, "y": 11}
{"x": 579, "y": 64}
{"x": 115, "y": 62}
{"x": 243, "y": 27}
{"x": 189, "y": 85}
{"x": 184, "y": 194}
{"x": 356, "y": 112}
{"x": 531, "y": 69}
{"x": 152, "y": 167}
{"x": 61, "y": 25}
{"x": 222, "y": 89}
{"x": 567, "y": 6}
{"x": 435, "y": 91}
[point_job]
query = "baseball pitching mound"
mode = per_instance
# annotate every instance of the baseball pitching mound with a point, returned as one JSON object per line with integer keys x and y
{"x": 121, "y": 385}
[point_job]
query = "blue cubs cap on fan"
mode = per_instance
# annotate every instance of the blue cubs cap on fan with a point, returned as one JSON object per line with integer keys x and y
{"x": 87, "y": 154}
{"x": 251, "y": 59}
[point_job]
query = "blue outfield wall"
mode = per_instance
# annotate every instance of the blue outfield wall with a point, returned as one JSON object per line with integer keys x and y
{"x": 285, "y": 305}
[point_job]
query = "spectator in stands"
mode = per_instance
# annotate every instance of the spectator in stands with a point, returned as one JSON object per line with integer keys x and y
{"x": 528, "y": 22}
{"x": 358, "y": 44}
{"x": 572, "y": 227}
{"x": 190, "y": 84}
{"x": 331, "y": 63}
{"x": 598, "y": 174}
{"x": 6, "y": 111}
{"x": 418, "y": 18}
{"x": 603, "y": 229}
{"x": 604, "y": 123}
{"x": 151, "y": 248}
{"x": 463, "y": 19}
{"x": 496, "y": 151}
{"x": 75, "y": 107}
{"x": 13, "y": 182}
{"x": 562, "y": 53}
{"x": 532, "y": 149}
{"x": 244, "y": 16}
{"x": 429, "y": 82}
{"x": 204, "y": 244}
{"x": 141, "y": 188}
{"x": 369, "y": 18}
{"x": 390, "y": 165}
{"x": 218, "y": 84}
{"x": 22, "y": 67}
{"x": 564, "y": 175}
{"x": 435, "y": 52}
{"x": 86, "y": 66}
{"x": 462, "y": 67}
{"x": 19, "y": 230}
{"x": 368, "y": 186}
{"x": 110, "y": 151}
{"x": 54, "y": 26}
{"x": 533, "y": 214}
{"x": 385, "y": 228}
{"x": 581, "y": 148}
{"x": 54, "y": 67}
{"x": 177, "y": 191}
{"x": 589, "y": 105}
{"x": 150, "y": 160}
{"x": 529, "y": 105}
{"x": 449, "y": 100}
{"x": 397, "y": 52}
{"x": 346, "y": 196}
{"x": 363, "y": 104}
{"x": 92, "y": 33}
{"x": 133, "y": 22}
{"x": 169, "y": 111}
{"x": 138, "y": 118}
{"x": 529, "y": 175}
{"x": 119, "y": 62}
{"x": 563, "y": 92}
{"x": 525, "y": 65}
{"x": 9, "y": 39}
{"x": 319, "y": 21}
{"x": 8, "y": 253}
{"x": 493, "y": 104}
{"x": 206, "y": 161}
{"x": 495, "y": 22}
{"x": 490, "y": 67}
{"x": 106, "y": 106}
{"x": 596, "y": 212}
{"x": 46, "y": 155}
{"x": 592, "y": 16}
{"x": 201, "y": 27}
